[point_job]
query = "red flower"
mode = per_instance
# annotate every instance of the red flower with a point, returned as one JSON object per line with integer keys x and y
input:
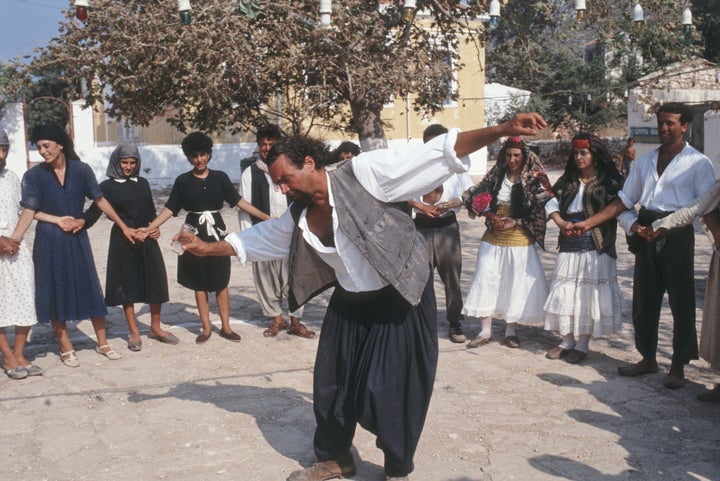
{"x": 481, "y": 202}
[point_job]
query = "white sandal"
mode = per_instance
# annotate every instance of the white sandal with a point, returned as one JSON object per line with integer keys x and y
{"x": 110, "y": 353}
{"x": 69, "y": 358}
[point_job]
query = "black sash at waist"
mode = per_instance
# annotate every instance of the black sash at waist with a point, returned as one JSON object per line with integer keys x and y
{"x": 647, "y": 216}
{"x": 425, "y": 221}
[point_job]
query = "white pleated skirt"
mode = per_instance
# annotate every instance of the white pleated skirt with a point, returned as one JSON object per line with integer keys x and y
{"x": 509, "y": 283}
{"x": 585, "y": 297}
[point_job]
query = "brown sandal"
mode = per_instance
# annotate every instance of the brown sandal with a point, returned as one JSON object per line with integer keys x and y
{"x": 274, "y": 329}
{"x": 301, "y": 331}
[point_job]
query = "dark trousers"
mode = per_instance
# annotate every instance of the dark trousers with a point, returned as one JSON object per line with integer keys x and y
{"x": 445, "y": 254}
{"x": 375, "y": 366}
{"x": 666, "y": 265}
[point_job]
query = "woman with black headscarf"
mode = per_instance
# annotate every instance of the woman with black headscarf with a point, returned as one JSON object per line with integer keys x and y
{"x": 67, "y": 287}
{"x": 135, "y": 271}
{"x": 509, "y": 281}
{"x": 585, "y": 299}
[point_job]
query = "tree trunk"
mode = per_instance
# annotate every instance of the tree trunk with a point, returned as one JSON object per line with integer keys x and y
{"x": 369, "y": 126}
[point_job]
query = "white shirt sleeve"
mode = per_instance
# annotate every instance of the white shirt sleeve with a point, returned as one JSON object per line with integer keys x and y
{"x": 394, "y": 175}
{"x": 699, "y": 207}
{"x": 552, "y": 206}
{"x": 265, "y": 241}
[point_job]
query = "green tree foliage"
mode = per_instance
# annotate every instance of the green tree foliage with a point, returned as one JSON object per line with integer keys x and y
{"x": 47, "y": 94}
{"x": 226, "y": 70}
{"x": 707, "y": 20}
{"x": 582, "y": 70}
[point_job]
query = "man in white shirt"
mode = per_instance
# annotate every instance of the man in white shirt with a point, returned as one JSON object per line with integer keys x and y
{"x": 435, "y": 219}
{"x": 377, "y": 354}
{"x": 662, "y": 181}
{"x": 271, "y": 276}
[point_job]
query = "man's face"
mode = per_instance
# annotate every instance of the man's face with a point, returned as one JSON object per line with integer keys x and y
{"x": 264, "y": 147}
{"x": 4, "y": 149}
{"x": 670, "y": 130}
{"x": 292, "y": 180}
{"x": 345, "y": 156}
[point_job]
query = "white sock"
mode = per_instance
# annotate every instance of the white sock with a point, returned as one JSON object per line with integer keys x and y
{"x": 510, "y": 329}
{"x": 568, "y": 342}
{"x": 486, "y": 331}
{"x": 583, "y": 344}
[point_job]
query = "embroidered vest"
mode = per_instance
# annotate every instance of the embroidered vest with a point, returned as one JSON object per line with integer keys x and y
{"x": 383, "y": 232}
{"x": 260, "y": 192}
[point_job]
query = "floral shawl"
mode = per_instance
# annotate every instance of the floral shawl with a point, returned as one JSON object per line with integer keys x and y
{"x": 528, "y": 198}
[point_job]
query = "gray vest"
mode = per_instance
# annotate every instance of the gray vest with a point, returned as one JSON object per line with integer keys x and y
{"x": 383, "y": 232}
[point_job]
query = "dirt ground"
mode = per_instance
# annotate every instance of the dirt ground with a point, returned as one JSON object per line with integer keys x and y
{"x": 227, "y": 411}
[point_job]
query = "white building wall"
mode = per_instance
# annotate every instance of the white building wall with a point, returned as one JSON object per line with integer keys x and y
{"x": 83, "y": 125}
{"x": 640, "y": 121}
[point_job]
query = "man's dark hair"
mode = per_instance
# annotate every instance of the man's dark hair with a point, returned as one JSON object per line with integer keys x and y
{"x": 348, "y": 147}
{"x": 433, "y": 131}
{"x": 676, "y": 108}
{"x": 196, "y": 142}
{"x": 268, "y": 131}
{"x": 296, "y": 148}
{"x": 345, "y": 147}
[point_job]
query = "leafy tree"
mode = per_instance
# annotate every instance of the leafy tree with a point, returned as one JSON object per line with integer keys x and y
{"x": 11, "y": 83}
{"x": 47, "y": 95}
{"x": 582, "y": 70}
{"x": 228, "y": 69}
{"x": 707, "y": 21}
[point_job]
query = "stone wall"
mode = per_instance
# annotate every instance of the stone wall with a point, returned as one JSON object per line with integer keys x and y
{"x": 554, "y": 153}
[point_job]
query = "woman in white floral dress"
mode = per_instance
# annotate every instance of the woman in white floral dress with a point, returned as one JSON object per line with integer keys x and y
{"x": 16, "y": 273}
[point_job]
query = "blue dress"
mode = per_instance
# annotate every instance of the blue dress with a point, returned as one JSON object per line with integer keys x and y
{"x": 66, "y": 281}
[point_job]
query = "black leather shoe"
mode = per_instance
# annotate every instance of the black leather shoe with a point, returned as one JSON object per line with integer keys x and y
{"x": 646, "y": 366}
{"x": 675, "y": 379}
{"x": 576, "y": 357}
{"x": 456, "y": 335}
{"x": 710, "y": 395}
{"x": 556, "y": 353}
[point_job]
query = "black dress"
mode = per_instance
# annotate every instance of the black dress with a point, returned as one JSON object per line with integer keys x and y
{"x": 135, "y": 272}
{"x": 203, "y": 199}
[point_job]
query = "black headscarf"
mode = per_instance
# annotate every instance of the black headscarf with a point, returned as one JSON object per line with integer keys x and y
{"x": 122, "y": 151}
{"x": 56, "y": 134}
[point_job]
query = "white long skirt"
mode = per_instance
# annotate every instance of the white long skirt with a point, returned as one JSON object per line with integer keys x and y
{"x": 509, "y": 283}
{"x": 585, "y": 297}
{"x": 17, "y": 275}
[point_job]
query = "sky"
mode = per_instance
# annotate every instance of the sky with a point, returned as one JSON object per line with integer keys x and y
{"x": 27, "y": 24}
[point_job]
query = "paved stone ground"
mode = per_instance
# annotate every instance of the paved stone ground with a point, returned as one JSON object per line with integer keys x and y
{"x": 243, "y": 411}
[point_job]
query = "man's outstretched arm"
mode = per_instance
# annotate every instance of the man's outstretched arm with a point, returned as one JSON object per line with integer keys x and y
{"x": 522, "y": 124}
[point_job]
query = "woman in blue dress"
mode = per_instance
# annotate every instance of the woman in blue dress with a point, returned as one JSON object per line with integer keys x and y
{"x": 67, "y": 287}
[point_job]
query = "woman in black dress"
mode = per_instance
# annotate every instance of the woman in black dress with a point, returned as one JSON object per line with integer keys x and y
{"x": 135, "y": 272}
{"x": 202, "y": 193}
